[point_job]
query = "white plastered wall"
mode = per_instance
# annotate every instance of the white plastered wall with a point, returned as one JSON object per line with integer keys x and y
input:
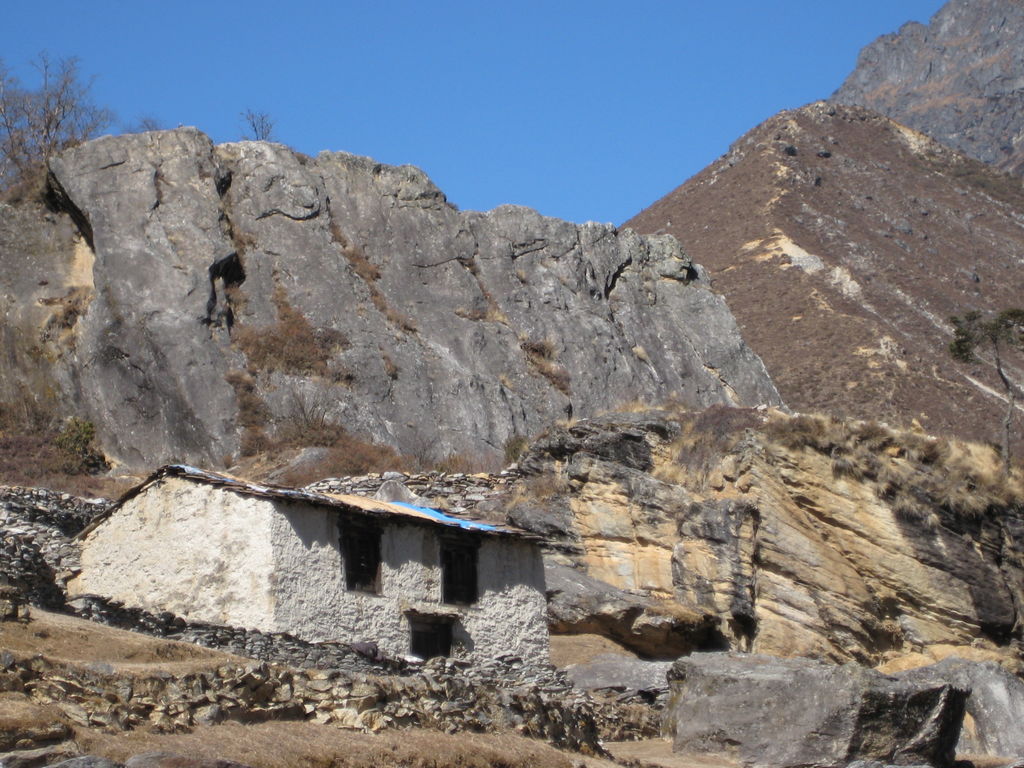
{"x": 510, "y": 616}
{"x": 314, "y": 604}
{"x": 190, "y": 548}
{"x": 208, "y": 554}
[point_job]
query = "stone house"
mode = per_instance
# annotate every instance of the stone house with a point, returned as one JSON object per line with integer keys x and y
{"x": 323, "y": 567}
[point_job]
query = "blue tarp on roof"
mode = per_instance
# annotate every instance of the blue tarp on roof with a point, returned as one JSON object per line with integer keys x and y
{"x": 441, "y": 517}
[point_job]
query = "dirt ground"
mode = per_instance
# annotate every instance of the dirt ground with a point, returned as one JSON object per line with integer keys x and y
{"x": 579, "y": 649}
{"x": 657, "y": 753}
{"x": 69, "y": 639}
{"x": 292, "y": 744}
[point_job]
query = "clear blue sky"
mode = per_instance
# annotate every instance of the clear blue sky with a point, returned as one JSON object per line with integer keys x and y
{"x": 582, "y": 110}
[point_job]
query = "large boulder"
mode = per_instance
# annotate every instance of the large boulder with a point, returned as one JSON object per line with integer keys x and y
{"x": 621, "y": 673}
{"x": 767, "y": 711}
{"x": 578, "y": 603}
{"x": 995, "y": 708}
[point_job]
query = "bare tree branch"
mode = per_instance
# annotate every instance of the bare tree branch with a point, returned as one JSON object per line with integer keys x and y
{"x": 259, "y": 126}
{"x": 36, "y": 124}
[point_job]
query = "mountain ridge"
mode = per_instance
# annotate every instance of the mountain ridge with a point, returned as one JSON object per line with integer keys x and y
{"x": 959, "y": 79}
{"x": 845, "y": 243}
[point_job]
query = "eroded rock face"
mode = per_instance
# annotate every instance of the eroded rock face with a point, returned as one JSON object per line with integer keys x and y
{"x": 355, "y": 289}
{"x": 766, "y": 711}
{"x": 958, "y": 79}
{"x": 669, "y": 542}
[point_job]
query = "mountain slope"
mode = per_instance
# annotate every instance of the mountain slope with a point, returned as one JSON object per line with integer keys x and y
{"x": 960, "y": 79}
{"x": 217, "y": 298}
{"x": 843, "y": 242}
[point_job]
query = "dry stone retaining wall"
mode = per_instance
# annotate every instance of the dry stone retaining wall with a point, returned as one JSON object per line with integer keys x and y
{"x": 459, "y": 492}
{"x": 440, "y": 697}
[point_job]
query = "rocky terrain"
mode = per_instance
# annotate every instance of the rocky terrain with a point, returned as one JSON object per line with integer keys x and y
{"x": 782, "y": 535}
{"x": 843, "y": 243}
{"x": 674, "y": 533}
{"x": 764, "y": 586}
{"x": 959, "y": 79}
{"x": 197, "y": 302}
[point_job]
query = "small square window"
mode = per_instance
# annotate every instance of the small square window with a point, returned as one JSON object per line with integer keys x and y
{"x": 430, "y": 636}
{"x": 458, "y": 571}
{"x": 360, "y": 550}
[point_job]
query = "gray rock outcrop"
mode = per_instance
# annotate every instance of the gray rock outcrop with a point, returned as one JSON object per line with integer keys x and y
{"x": 995, "y": 706}
{"x": 960, "y": 79}
{"x": 246, "y": 287}
{"x": 767, "y": 711}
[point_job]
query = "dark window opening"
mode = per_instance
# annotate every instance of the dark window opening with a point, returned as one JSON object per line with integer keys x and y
{"x": 430, "y": 636}
{"x": 360, "y": 549}
{"x": 458, "y": 572}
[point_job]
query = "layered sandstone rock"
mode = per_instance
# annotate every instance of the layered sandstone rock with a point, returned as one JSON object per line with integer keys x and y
{"x": 790, "y": 536}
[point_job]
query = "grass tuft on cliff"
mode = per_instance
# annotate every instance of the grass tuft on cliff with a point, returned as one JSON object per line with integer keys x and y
{"x": 914, "y": 473}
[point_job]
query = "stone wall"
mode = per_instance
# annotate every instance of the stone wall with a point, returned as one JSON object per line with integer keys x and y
{"x": 453, "y": 491}
{"x": 36, "y": 552}
{"x": 442, "y": 697}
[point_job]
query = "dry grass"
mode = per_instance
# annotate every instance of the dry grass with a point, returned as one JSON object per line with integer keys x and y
{"x": 579, "y": 649}
{"x": 21, "y": 719}
{"x": 66, "y": 311}
{"x": 455, "y": 463}
{"x": 917, "y": 475}
{"x": 291, "y": 345}
{"x": 38, "y": 448}
{"x": 243, "y": 241}
{"x": 541, "y": 355}
{"x": 515, "y": 447}
{"x": 346, "y": 455}
{"x": 704, "y": 440}
{"x": 252, "y": 409}
{"x": 70, "y": 640}
{"x": 308, "y": 745}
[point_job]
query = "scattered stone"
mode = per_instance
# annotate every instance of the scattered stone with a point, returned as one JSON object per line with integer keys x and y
{"x": 34, "y": 758}
{"x": 172, "y": 760}
{"x": 88, "y": 761}
{"x": 631, "y": 678}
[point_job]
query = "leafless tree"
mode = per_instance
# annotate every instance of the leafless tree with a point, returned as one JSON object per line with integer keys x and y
{"x": 259, "y": 126}
{"x": 36, "y": 124}
{"x": 993, "y": 333}
{"x": 143, "y": 124}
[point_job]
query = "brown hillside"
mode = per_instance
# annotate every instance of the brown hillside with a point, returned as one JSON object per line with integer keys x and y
{"x": 843, "y": 242}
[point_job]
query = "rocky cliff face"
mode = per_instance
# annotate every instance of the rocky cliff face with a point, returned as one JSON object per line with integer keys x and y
{"x": 843, "y": 243}
{"x": 960, "y": 79}
{"x": 209, "y": 294}
{"x": 789, "y": 536}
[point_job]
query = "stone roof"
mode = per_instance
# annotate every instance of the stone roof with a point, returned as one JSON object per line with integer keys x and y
{"x": 359, "y": 505}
